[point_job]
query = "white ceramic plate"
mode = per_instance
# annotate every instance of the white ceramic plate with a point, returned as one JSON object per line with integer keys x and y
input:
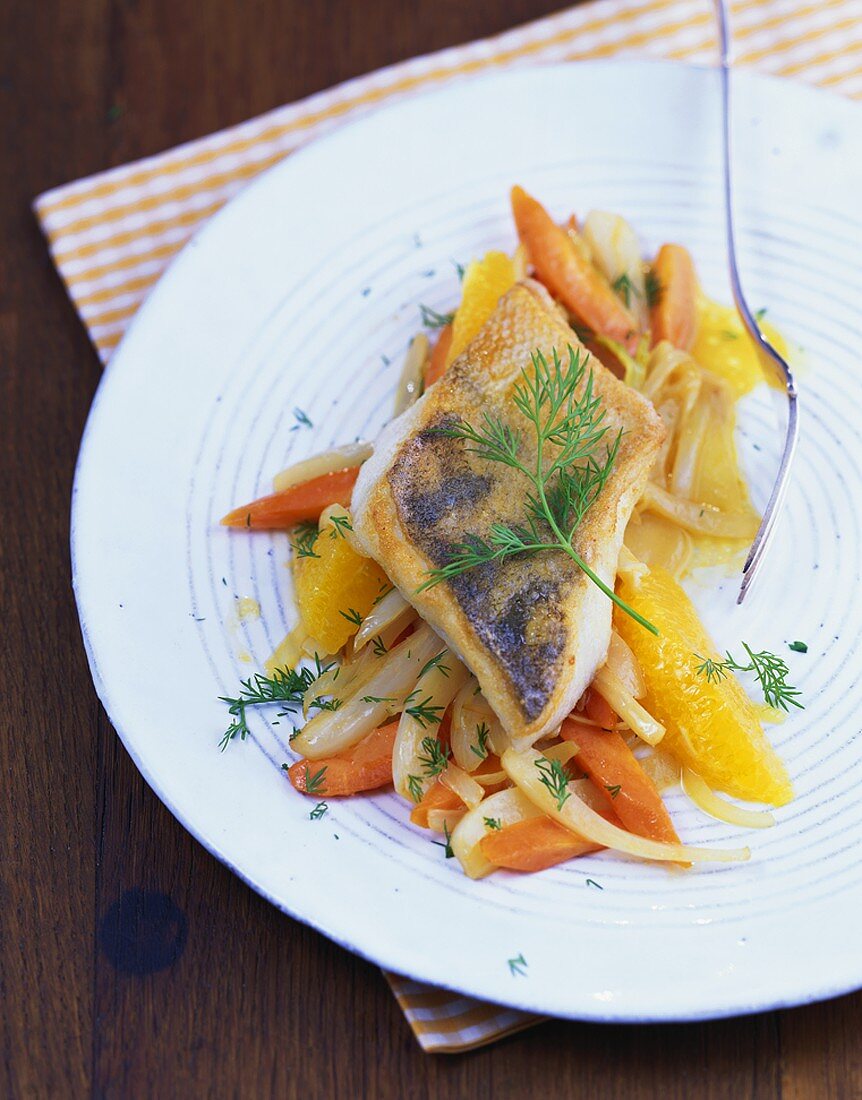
{"x": 302, "y": 294}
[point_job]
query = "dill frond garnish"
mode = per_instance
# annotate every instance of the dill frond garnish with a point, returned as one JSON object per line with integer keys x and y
{"x": 480, "y": 749}
{"x": 518, "y": 966}
{"x": 568, "y": 476}
{"x": 769, "y": 670}
{"x": 352, "y": 616}
{"x": 325, "y": 704}
{"x": 432, "y": 319}
{"x": 426, "y": 713}
{"x": 414, "y": 785}
{"x": 625, "y": 288}
{"x": 714, "y": 671}
{"x": 446, "y": 845}
{"x": 314, "y": 780}
{"x": 319, "y": 811}
{"x": 385, "y": 589}
{"x": 340, "y": 524}
{"x": 613, "y": 790}
{"x": 555, "y": 779}
{"x": 653, "y": 289}
{"x": 492, "y": 823}
{"x": 379, "y": 647}
{"x": 285, "y": 686}
{"x": 435, "y": 758}
{"x": 305, "y": 536}
{"x": 436, "y": 662}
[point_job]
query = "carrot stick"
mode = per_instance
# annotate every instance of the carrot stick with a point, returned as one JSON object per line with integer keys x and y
{"x": 599, "y": 709}
{"x": 533, "y": 845}
{"x": 437, "y": 797}
{"x": 297, "y": 504}
{"x": 629, "y": 791}
{"x": 568, "y": 275}
{"x": 364, "y": 767}
{"x": 437, "y": 363}
{"x": 673, "y": 315}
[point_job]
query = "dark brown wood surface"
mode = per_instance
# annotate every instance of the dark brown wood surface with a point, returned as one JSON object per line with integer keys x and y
{"x": 133, "y": 964}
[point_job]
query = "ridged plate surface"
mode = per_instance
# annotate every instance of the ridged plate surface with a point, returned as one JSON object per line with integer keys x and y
{"x": 302, "y": 295}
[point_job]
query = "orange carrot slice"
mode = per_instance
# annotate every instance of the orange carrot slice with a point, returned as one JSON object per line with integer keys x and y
{"x": 599, "y": 709}
{"x": 437, "y": 363}
{"x": 533, "y": 845}
{"x": 673, "y": 315}
{"x": 298, "y": 504}
{"x": 365, "y": 767}
{"x": 437, "y": 797}
{"x": 568, "y": 275}
{"x": 613, "y": 768}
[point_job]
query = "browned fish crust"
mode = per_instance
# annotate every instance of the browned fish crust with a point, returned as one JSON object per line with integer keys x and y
{"x": 529, "y": 626}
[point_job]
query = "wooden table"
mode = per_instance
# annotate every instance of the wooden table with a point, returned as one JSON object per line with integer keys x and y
{"x": 133, "y": 964}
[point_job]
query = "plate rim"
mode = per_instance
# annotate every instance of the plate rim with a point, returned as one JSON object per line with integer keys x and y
{"x": 163, "y": 288}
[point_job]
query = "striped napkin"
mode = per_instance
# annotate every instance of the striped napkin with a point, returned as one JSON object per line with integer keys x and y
{"x": 112, "y": 235}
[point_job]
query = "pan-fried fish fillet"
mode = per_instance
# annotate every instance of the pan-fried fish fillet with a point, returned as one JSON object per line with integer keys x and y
{"x": 532, "y": 628}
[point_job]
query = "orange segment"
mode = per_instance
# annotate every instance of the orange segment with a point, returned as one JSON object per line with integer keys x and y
{"x": 723, "y": 346}
{"x": 335, "y": 588}
{"x": 485, "y": 282}
{"x": 711, "y": 727}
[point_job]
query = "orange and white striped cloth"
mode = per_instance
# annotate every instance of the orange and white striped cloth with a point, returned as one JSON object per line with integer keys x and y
{"x": 112, "y": 235}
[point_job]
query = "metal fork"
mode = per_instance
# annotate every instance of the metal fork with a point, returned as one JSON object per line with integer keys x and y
{"x": 768, "y": 355}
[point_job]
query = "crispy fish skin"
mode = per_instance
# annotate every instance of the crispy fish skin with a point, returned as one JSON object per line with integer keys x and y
{"x": 532, "y": 628}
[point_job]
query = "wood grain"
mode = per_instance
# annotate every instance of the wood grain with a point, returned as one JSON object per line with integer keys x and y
{"x": 132, "y": 964}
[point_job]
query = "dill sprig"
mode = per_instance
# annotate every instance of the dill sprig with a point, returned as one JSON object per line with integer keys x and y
{"x": 425, "y": 712}
{"x": 319, "y": 811}
{"x": 305, "y": 536}
{"x": 613, "y": 789}
{"x": 385, "y": 589}
{"x": 432, "y": 319}
{"x": 448, "y": 852}
{"x": 653, "y": 289}
{"x": 769, "y": 670}
{"x": 314, "y": 781}
{"x": 481, "y": 747}
{"x": 553, "y": 776}
{"x": 352, "y": 616}
{"x": 714, "y": 671}
{"x": 340, "y": 524}
{"x": 625, "y": 288}
{"x": 435, "y": 758}
{"x": 284, "y": 686}
{"x": 492, "y": 823}
{"x": 325, "y": 704}
{"x": 436, "y": 662}
{"x": 567, "y": 477}
{"x": 517, "y": 966}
